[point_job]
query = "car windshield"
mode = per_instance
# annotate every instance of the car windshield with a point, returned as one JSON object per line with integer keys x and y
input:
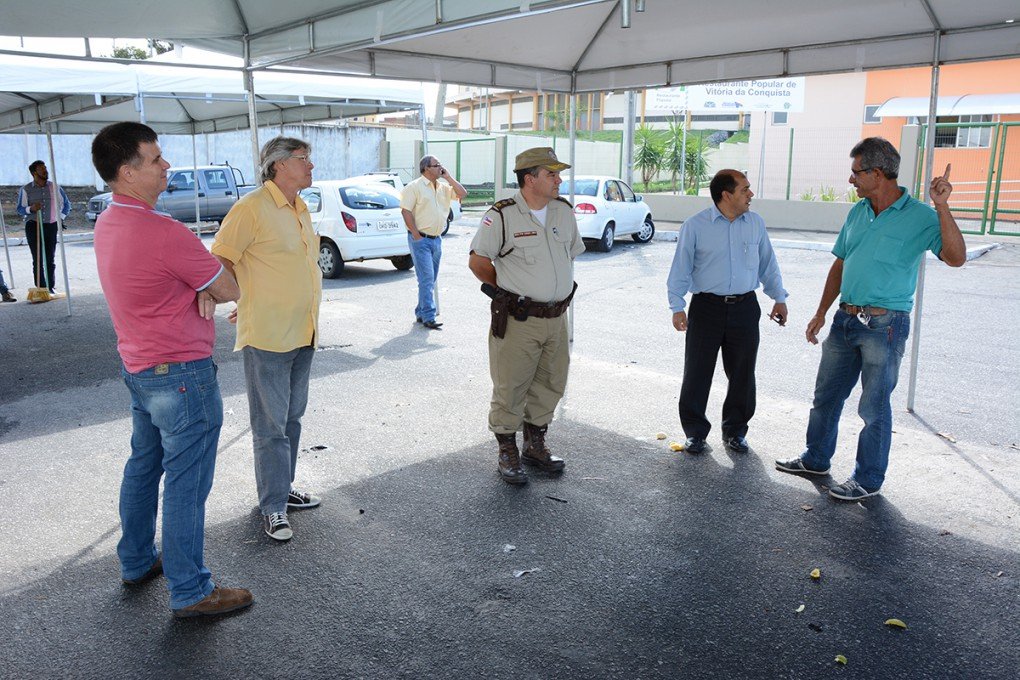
{"x": 369, "y": 198}
{"x": 585, "y": 187}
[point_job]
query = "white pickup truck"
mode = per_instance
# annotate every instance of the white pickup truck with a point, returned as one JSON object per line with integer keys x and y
{"x": 393, "y": 179}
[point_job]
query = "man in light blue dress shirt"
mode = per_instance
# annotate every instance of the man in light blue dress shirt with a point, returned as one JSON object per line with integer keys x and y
{"x": 722, "y": 255}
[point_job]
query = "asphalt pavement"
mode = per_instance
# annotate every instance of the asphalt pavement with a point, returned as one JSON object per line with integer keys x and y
{"x": 638, "y": 562}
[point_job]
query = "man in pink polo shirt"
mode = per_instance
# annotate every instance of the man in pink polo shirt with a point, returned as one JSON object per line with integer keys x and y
{"x": 162, "y": 287}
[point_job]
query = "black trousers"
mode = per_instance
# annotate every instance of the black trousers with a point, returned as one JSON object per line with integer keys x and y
{"x": 713, "y": 325}
{"x": 49, "y": 240}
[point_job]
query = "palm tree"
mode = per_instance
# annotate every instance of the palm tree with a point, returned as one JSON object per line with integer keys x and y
{"x": 673, "y": 153}
{"x": 695, "y": 166}
{"x": 647, "y": 154}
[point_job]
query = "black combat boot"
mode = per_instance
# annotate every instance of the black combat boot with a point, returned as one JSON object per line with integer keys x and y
{"x": 536, "y": 452}
{"x": 510, "y": 468}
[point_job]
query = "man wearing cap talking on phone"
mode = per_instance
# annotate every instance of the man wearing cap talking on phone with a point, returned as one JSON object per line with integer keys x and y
{"x": 523, "y": 253}
{"x": 878, "y": 253}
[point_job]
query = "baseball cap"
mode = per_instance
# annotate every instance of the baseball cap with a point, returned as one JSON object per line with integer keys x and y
{"x": 540, "y": 156}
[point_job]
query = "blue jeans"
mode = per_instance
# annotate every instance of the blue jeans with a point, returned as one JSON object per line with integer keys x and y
{"x": 873, "y": 353}
{"x": 277, "y": 384}
{"x": 426, "y": 253}
{"x": 176, "y": 420}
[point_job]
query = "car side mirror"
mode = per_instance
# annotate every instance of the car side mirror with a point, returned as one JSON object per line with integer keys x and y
{"x": 171, "y": 188}
{"x": 638, "y": 198}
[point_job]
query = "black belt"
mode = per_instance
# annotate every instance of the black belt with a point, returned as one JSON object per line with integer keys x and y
{"x": 426, "y": 235}
{"x": 727, "y": 299}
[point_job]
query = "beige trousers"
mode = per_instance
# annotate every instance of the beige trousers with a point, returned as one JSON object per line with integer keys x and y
{"x": 529, "y": 372}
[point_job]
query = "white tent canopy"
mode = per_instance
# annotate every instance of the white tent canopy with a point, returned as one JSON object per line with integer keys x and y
{"x": 65, "y": 96}
{"x": 81, "y": 97}
{"x": 558, "y": 45}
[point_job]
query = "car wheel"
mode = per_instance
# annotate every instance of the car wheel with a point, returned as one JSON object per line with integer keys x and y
{"x": 402, "y": 262}
{"x": 449, "y": 221}
{"x": 646, "y": 232}
{"x": 330, "y": 261}
{"x": 605, "y": 244}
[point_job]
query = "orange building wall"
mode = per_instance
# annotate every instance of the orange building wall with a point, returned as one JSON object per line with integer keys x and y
{"x": 970, "y": 166}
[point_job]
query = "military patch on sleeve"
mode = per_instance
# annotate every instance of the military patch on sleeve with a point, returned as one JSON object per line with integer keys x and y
{"x": 522, "y": 234}
{"x": 486, "y": 221}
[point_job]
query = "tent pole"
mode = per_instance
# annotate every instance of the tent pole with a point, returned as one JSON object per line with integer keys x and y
{"x": 683, "y": 152}
{"x": 929, "y": 163}
{"x": 628, "y": 140}
{"x": 194, "y": 162}
{"x": 60, "y": 222}
{"x": 253, "y": 123}
{"x": 424, "y": 130}
{"x": 573, "y": 173}
{"x": 7, "y": 249}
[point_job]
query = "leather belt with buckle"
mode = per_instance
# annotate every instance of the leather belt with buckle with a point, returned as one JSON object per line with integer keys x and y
{"x": 862, "y": 309}
{"x": 728, "y": 299}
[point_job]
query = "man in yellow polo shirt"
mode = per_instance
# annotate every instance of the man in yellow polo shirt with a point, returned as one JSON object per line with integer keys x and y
{"x": 425, "y": 205}
{"x": 268, "y": 243}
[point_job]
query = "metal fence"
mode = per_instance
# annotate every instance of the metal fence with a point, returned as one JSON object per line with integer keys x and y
{"x": 471, "y": 162}
{"x": 988, "y": 155}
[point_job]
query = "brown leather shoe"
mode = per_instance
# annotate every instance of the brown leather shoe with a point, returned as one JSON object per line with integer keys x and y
{"x": 219, "y": 601}
{"x": 536, "y": 453}
{"x": 155, "y": 570}
{"x": 510, "y": 468}
{"x": 7, "y": 297}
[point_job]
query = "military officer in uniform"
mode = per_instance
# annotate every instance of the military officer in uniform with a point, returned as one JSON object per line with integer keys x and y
{"x": 523, "y": 254}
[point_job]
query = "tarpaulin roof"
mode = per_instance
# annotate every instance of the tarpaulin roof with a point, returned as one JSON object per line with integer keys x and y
{"x": 559, "y": 45}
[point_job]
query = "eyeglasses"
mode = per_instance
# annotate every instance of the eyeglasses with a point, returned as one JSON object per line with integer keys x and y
{"x": 307, "y": 158}
{"x": 858, "y": 173}
{"x": 435, "y": 165}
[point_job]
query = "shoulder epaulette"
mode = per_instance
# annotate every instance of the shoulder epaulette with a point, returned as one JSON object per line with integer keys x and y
{"x": 498, "y": 207}
{"x": 560, "y": 198}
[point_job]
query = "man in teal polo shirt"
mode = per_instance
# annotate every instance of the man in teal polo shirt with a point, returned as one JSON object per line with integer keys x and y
{"x": 878, "y": 252}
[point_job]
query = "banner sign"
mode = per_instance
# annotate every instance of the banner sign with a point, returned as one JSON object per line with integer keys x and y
{"x": 780, "y": 94}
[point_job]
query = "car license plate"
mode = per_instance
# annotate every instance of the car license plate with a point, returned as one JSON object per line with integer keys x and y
{"x": 382, "y": 226}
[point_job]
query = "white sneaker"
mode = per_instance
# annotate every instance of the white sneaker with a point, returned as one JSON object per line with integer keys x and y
{"x": 850, "y": 490}
{"x": 277, "y": 527}
{"x": 299, "y": 500}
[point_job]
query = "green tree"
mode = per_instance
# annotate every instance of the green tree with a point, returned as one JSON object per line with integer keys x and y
{"x": 648, "y": 154}
{"x": 672, "y": 152}
{"x": 129, "y": 53}
{"x": 695, "y": 165}
{"x": 160, "y": 46}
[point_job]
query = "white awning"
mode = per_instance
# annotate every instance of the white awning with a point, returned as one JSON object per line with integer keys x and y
{"x": 988, "y": 103}
{"x": 960, "y": 105}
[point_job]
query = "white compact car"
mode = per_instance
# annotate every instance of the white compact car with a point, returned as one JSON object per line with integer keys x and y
{"x": 357, "y": 220}
{"x": 393, "y": 179}
{"x": 606, "y": 207}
